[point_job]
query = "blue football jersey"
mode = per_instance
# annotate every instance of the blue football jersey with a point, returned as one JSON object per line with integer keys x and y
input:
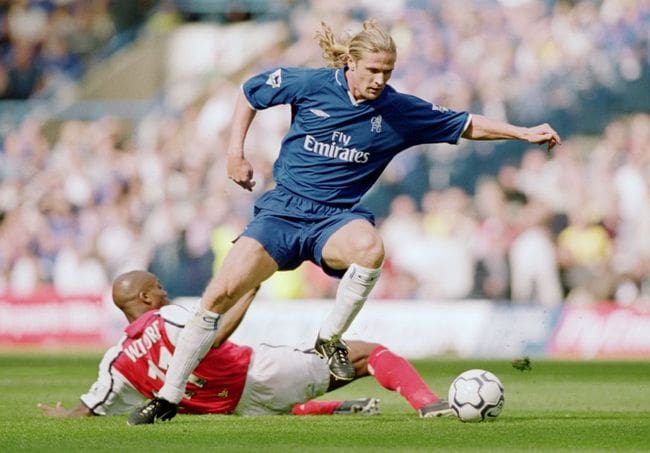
{"x": 336, "y": 148}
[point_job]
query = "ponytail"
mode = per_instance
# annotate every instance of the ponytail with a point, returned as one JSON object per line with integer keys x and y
{"x": 371, "y": 39}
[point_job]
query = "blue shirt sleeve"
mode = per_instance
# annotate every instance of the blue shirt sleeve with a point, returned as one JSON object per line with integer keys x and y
{"x": 275, "y": 87}
{"x": 430, "y": 123}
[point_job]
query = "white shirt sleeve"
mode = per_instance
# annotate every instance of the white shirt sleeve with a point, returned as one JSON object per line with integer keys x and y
{"x": 176, "y": 315}
{"x": 111, "y": 394}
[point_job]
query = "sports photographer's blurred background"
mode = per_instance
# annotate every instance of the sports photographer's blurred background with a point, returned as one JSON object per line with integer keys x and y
{"x": 113, "y": 122}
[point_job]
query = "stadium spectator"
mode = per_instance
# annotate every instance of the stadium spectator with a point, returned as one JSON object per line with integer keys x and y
{"x": 492, "y": 241}
{"x": 185, "y": 263}
{"x": 534, "y": 272}
{"x": 24, "y": 72}
{"x": 78, "y": 271}
{"x": 24, "y": 277}
{"x": 447, "y": 265}
{"x": 402, "y": 232}
{"x": 231, "y": 379}
{"x": 538, "y": 178}
{"x": 584, "y": 251}
{"x": 631, "y": 189}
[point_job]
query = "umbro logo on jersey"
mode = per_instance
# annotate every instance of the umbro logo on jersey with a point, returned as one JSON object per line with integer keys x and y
{"x": 320, "y": 113}
{"x": 275, "y": 79}
{"x": 440, "y": 108}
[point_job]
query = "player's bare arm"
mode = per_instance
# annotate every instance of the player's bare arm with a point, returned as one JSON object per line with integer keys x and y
{"x": 80, "y": 410}
{"x": 239, "y": 169}
{"x": 231, "y": 319}
{"x": 483, "y": 128}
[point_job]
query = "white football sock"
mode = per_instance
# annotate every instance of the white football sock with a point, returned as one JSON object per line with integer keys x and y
{"x": 353, "y": 290}
{"x": 194, "y": 342}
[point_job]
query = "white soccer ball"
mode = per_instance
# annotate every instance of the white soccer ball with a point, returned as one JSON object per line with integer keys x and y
{"x": 476, "y": 395}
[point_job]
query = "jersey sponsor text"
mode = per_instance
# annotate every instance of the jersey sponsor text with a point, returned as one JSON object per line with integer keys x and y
{"x": 335, "y": 151}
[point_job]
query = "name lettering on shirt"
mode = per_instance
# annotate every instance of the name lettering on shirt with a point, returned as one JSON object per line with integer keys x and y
{"x": 138, "y": 348}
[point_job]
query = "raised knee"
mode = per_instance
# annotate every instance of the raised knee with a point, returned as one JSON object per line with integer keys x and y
{"x": 369, "y": 250}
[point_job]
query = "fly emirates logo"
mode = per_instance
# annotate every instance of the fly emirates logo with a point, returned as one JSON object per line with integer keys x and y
{"x": 338, "y": 148}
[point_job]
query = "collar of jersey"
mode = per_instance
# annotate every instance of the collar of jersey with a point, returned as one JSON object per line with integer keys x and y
{"x": 340, "y": 74}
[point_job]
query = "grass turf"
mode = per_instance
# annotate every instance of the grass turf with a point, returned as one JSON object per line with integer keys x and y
{"x": 558, "y": 406}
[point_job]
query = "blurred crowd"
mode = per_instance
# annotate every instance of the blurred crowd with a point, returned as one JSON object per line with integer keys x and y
{"x": 573, "y": 225}
{"x": 47, "y": 45}
{"x": 108, "y": 195}
{"x": 508, "y": 58}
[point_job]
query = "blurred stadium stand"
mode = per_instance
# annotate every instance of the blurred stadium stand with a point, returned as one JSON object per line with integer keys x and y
{"x": 168, "y": 70}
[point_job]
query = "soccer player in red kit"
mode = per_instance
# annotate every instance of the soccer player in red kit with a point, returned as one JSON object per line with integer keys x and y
{"x": 231, "y": 378}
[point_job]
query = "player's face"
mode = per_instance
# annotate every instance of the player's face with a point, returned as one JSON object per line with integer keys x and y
{"x": 158, "y": 293}
{"x": 368, "y": 76}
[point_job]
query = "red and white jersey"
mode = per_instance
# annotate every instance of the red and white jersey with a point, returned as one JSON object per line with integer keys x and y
{"x": 135, "y": 369}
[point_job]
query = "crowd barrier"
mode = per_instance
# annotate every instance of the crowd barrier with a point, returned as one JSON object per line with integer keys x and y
{"x": 415, "y": 329}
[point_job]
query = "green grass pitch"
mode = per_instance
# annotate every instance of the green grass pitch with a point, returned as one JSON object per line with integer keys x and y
{"x": 558, "y": 406}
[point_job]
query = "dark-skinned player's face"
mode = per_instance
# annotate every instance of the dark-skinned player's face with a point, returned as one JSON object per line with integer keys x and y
{"x": 158, "y": 295}
{"x": 367, "y": 77}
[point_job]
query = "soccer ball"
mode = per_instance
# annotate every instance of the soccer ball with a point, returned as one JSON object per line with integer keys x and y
{"x": 476, "y": 395}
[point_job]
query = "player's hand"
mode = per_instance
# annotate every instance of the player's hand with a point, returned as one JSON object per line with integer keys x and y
{"x": 543, "y": 134}
{"x": 56, "y": 411}
{"x": 241, "y": 172}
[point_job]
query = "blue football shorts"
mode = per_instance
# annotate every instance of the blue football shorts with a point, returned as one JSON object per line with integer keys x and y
{"x": 293, "y": 229}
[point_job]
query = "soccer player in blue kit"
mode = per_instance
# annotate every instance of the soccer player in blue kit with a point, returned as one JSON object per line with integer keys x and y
{"x": 347, "y": 124}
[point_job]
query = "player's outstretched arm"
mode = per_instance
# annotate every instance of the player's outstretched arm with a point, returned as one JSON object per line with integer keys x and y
{"x": 483, "y": 128}
{"x": 80, "y": 410}
{"x": 239, "y": 169}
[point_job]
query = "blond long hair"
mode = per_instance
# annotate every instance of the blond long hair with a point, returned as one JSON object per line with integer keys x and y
{"x": 371, "y": 39}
